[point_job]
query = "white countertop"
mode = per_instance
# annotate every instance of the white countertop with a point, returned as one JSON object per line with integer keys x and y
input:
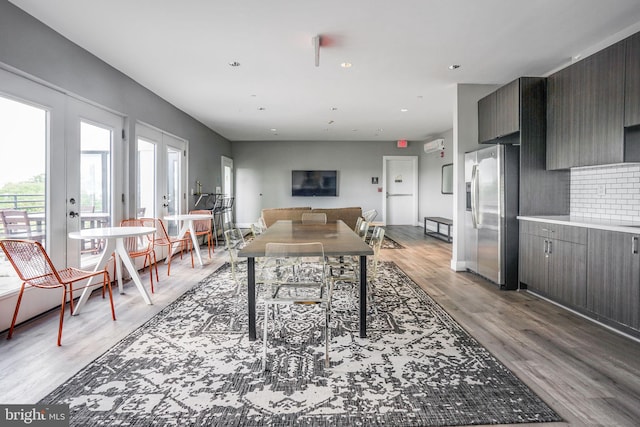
{"x": 578, "y": 221}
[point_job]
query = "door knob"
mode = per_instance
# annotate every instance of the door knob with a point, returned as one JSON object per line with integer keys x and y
{"x": 73, "y": 214}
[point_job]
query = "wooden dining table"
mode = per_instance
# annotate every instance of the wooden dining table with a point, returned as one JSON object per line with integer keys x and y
{"x": 337, "y": 239}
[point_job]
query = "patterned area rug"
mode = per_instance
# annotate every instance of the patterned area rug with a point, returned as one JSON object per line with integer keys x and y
{"x": 192, "y": 364}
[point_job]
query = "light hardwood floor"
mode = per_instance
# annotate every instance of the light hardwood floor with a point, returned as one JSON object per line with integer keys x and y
{"x": 588, "y": 374}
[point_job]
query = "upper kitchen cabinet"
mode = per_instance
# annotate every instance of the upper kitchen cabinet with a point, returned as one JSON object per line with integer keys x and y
{"x": 515, "y": 114}
{"x": 632, "y": 82}
{"x": 563, "y": 119}
{"x": 499, "y": 113}
{"x": 602, "y": 136}
{"x": 585, "y": 111}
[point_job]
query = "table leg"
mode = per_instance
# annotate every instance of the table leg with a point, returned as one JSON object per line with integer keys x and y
{"x": 251, "y": 297}
{"x": 363, "y": 296}
{"x": 196, "y": 244}
{"x": 124, "y": 258}
{"x": 104, "y": 258}
{"x": 117, "y": 269}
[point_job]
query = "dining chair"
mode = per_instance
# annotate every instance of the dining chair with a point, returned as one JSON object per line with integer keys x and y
{"x": 314, "y": 218}
{"x": 162, "y": 239}
{"x": 203, "y": 227}
{"x": 141, "y": 246}
{"x": 16, "y": 224}
{"x": 350, "y": 272}
{"x": 303, "y": 282}
{"x": 369, "y": 215}
{"x": 234, "y": 241}
{"x": 34, "y": 267}
{"x": 258, "y": 227}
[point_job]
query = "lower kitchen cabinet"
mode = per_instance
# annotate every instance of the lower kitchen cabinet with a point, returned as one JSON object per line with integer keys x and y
{"x": 553, "y": 261}
{"x": 614, "y": 276}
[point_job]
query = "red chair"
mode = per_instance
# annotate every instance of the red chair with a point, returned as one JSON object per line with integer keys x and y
{"x": 141, "y": 246}
{"x": 34, "y": 267}
{"x": 203, "y": 227}
{"x": 162, "y": 238}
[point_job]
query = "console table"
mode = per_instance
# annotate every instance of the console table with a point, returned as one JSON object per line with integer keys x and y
{"x": 439, "y": 221}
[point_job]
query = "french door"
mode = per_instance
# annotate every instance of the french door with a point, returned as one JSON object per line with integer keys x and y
{"x": 161, "y": 171}
{"x": 95, "y": 170}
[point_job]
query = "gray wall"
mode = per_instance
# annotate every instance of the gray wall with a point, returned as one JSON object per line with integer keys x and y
{"x": 263, "y": 174}
{"x": 30, "y": 48}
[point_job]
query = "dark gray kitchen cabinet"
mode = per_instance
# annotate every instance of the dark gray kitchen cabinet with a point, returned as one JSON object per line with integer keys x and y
{"x": 564, "y": 92}
{"x": 486, "y": 118}
{"x": 585, "y": 111}
{"x": 613, "y": 284}
{"x": 602, "y": 130}
{"x": 632, "y": 82}
{"x": 553, "y": 261}
{"x": 499, "y": 113}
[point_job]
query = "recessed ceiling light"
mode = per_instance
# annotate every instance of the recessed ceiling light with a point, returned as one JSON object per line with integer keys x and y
{"x": 346, "y": 65}
{"x": 330, "y": 122}
{"x": 261, "y": 108}
{"x": 334, "y": 108}
{"x": 354, "y": 130}
{"x": 380, "y": 129}
{"x": 404, "y": 110}
{"x": 273, "y": 129}
{"x": 234, "y": 64}
{"x": 454, "y": 66}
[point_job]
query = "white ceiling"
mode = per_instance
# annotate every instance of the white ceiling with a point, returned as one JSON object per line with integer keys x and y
{"x": 400, "y": 51}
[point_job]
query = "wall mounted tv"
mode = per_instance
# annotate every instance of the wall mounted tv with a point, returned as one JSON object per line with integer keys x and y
{"x": 314, "y": 183}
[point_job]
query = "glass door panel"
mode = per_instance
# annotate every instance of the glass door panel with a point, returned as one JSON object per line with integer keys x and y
{"x": 94, "y": 177}
{"x": 161, "y": 174}
{"x": 23, "y": 143}
{"x": 146, "y": 193}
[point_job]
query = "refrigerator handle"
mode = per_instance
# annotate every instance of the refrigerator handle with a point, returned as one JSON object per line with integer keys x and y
{"x": 474, "y": 195}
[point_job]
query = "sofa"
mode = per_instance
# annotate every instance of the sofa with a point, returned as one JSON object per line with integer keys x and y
{"x": 349, "y": 215}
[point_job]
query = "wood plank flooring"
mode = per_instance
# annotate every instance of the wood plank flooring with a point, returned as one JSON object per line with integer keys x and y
{"x": 588, "y": 374}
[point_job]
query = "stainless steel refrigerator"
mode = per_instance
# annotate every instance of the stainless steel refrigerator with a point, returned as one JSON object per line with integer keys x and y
{"x": 491, "y": 226}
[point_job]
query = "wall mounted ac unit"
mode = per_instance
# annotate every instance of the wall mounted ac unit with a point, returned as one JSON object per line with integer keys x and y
{"x": 433, "y": 146}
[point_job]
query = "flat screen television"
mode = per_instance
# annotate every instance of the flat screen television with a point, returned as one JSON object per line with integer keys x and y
{"x": 314, "y": 183}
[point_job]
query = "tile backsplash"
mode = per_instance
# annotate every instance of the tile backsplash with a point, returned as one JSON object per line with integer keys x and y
{"x": 606, "y": 192}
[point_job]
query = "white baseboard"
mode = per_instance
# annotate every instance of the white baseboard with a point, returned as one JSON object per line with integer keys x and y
{"x": 458, "y": 265}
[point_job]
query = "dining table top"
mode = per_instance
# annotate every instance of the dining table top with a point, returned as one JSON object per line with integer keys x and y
{"x": 336, "y": 237}
{"x": 110, "y": 232}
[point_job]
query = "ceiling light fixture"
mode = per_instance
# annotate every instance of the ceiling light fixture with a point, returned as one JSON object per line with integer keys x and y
{"x": 346, "y": 65}
{"x": 454, "y": 66}
{"x": 261, "y": 108}
{"x": 234, "y": 64}
{"x": 404, "y": 110}
{"x": 273, "y": 129}
{"x": 334, "y": 108}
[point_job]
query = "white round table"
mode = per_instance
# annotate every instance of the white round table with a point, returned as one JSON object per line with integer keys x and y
{"x": 114, "y": 238}
{"x": 187, "y": 225}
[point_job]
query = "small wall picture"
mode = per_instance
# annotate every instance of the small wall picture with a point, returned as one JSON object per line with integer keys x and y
{"x": 374, "y": 179}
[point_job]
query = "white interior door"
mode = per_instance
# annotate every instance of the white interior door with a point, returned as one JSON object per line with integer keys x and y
{"x": 95, "y": 169}
{"x": 400, "y": 180}
{"x": 161, "y": 174}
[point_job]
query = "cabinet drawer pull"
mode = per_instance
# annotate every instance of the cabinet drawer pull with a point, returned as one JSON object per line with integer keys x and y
{"x": 634, "y": 245}
{"x": 549, "y": 247}
{"x": 546, "y": 245}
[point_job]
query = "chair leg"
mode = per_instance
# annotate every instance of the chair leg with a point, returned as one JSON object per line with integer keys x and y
{"x": 64, "y": 301}
{"x": 327, "y": 336}
{"x": 107, "y": 279}
{"x": 148, "y": 257}
{"x": 264, "y": 337}
{"x": 15, "y": 312}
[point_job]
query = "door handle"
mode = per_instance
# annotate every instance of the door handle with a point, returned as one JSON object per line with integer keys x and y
{"x": 73, "y": 214}
{"x": 549, "y": 247}
{"x": 545, "y": 247}
{"x": 474, "y": 196}
{"x": 634, "y": 245}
